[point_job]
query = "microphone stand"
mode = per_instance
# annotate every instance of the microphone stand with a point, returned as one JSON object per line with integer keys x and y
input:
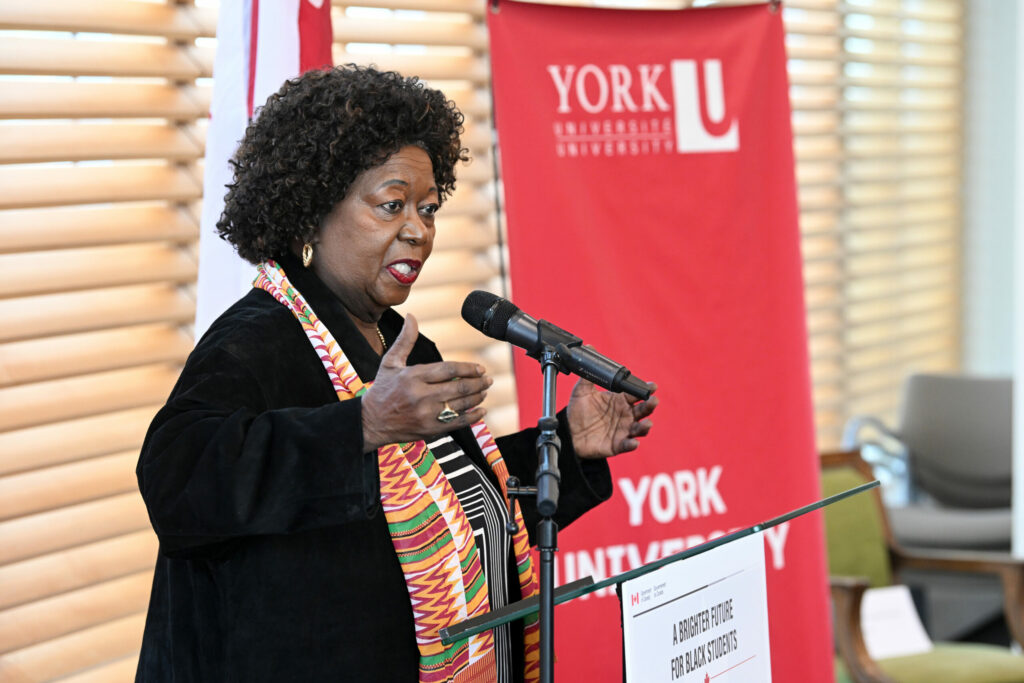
{"x": 548, "y": 480}
{"x": 557, "y": 351}
{"x": 546, "y": 490}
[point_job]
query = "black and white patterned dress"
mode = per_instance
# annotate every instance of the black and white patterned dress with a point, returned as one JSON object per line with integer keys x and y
{"x": 487, "y": 513}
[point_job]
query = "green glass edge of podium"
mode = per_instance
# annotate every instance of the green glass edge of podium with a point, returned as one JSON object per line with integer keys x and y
{"x": 571, "y": 591}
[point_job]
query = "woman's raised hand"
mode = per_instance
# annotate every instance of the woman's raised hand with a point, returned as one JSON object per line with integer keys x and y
{"x": 405, "y": 400}
{"x": 603, "y": 423}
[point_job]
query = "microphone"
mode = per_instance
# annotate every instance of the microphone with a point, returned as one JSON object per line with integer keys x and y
{"x": 501, "y": 319}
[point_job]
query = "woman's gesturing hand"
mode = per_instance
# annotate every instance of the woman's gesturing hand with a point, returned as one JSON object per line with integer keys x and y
{"x": 404, "y": 401}
{"x": 603, "y": 423}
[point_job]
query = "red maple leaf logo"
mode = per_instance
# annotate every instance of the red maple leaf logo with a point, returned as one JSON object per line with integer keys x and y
{"x": 707, "y": 678}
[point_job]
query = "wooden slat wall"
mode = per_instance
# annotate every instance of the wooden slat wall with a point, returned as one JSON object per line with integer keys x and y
{"x": 876, "y": 91}
{"x": 102, "y": 130}
{"x": 102, "y": 126}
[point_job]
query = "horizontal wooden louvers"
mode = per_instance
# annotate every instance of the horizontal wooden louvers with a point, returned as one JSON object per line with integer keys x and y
{"x": 102, "y": 130}
{"x": 876, "y": 91}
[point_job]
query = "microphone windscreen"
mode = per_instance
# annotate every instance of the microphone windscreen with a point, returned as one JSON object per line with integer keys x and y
{"x": 488, "y": 313}
{"x": 475, "y": 307}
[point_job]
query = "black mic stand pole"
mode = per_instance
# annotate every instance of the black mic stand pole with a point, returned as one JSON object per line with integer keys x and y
{"x": 548, "y": 480}
{"x": 546, "y": 492}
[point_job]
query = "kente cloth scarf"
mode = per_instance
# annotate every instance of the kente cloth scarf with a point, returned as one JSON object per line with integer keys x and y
{"x": 429, "y": 529}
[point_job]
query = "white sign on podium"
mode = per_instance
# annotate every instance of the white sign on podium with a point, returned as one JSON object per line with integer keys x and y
{"x": 700, "y": 620}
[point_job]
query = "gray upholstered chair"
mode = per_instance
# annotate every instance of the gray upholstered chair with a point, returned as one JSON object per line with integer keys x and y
{"x": 862, "y": 553}
{"x": 954, "y": 439}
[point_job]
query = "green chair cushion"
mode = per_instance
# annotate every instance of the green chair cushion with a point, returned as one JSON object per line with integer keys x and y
{"x": 956, "y": 663}
{"x": 853, "y": 530}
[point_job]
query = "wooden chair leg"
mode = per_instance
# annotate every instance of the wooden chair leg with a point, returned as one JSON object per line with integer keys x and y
{"x": 1013, "y": 601}
{"x": 847, "y": 595}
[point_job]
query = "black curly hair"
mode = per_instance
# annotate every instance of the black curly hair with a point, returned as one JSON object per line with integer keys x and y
{"x": 314, "y": 136}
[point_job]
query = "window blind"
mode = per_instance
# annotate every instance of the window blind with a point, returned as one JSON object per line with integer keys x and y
{"x": 876, "y": 87}
{"x": 102, "y": 110}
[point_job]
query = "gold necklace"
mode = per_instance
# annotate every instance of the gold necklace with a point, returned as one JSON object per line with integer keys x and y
{"x": 383, "y": 344}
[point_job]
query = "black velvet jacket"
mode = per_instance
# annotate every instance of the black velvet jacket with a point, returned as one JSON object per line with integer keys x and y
{"x": 275, "y": 560}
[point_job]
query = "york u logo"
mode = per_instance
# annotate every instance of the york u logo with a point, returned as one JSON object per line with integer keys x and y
{"x": 698, "y": 98}
{"x": 701, "y": 124}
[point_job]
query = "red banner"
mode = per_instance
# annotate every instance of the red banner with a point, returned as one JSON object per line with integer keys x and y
{"x": 648, "y": 169}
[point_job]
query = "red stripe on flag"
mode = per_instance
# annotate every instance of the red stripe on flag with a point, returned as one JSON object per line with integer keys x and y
{"x": 315, "y": 35}
{"x": 253, "y": 34}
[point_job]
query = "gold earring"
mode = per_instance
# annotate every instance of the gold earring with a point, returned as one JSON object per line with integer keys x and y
{"x": 307, "y": 254}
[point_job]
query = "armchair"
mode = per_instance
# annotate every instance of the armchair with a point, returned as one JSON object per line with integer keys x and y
{"x": 862, "y": 553}
{"x": 954, "y": 443}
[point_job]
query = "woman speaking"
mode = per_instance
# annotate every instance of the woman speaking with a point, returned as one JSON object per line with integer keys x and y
{"x": 325, "y": 493}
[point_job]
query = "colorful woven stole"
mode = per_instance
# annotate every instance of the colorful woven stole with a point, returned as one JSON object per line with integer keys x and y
{"x": 429, "y": 529}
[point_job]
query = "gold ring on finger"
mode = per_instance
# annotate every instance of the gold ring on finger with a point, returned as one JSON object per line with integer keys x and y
{"x": 447, "y": 414}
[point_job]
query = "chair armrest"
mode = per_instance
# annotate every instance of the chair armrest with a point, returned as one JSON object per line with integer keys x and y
{"x": 888, "y": 452}
{"x": 1009, "y": 570}
{"x": 847, "y": 594}
{"x": 955, "y": 560}
{"x": 851, "y": 430}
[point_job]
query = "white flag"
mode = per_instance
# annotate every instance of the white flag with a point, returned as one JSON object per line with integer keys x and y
{"x": 259, "y": 46}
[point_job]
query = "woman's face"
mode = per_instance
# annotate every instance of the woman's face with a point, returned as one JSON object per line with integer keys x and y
{"x": 373, "y": 244}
